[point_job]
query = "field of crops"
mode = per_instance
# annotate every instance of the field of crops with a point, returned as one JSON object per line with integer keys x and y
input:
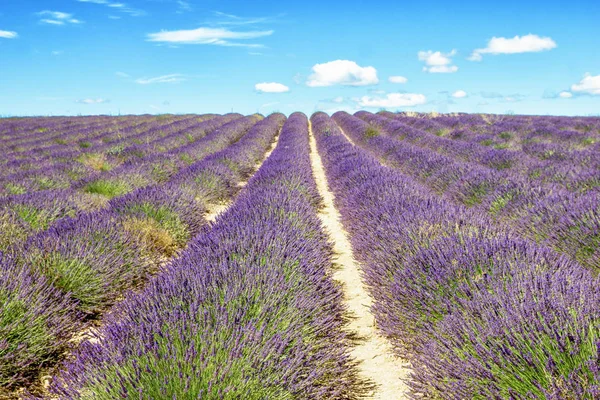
{"x": 247, "y": 257}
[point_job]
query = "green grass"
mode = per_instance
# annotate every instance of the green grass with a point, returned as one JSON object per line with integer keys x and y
{"x": 23, "y": 333}
{"x": 13, "y": 188}
{"x": 73, "y": 276}
{"x": 371, "y": 132}
{"x": 157, "y": 228}
{"x": 500, "y": 202}
{"x": 106, "y": 188}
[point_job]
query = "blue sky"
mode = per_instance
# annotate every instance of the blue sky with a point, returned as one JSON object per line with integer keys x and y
{"x": 70, "y": 57}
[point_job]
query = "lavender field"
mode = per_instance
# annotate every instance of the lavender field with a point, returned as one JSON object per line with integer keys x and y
{"x": 367, "y": 256}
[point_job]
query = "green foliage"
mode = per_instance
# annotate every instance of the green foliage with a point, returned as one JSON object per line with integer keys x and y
{"x": 157, "y": 228}
{"x": 13, "y": 188}
{"x": 371, "y": 132}
{"x": 107, "y": 188}
{"x": 475, "y": 195}
{"x": 73, "y": 276}
{"x": 23, "y": 333}
{"x": 500, "y": 202}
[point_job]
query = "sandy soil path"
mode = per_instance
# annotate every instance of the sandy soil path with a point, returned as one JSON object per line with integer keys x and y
{"x": 373, "y": 352}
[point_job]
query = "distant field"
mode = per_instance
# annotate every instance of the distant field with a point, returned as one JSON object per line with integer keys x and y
{"x": 385, "y": 255}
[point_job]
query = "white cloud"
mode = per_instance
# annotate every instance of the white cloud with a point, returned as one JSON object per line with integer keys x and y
{"x": 118, "y": 6}
{"x": 565, "y": 95}
{"x": 589, "y": 84}
{"x": 342, "y": 72}
{"x": 271, "y": 87}
{"x": 393, "y": 100}
{"x": 214, "y": 36}
{"x": 235, "y": 20}
{"x": 57, "y": 18}
{"x": 518, "y": 44}
{"x": 122, "y": 74}
{"x": 172, "y": 78}
{"x": 183, "y": 6}
{"x": 397, "y": 79}
{"x": 459, "y": 94}
{"x": 57, "y": 52}
{"x": 338, "y": 99}
{"x": 8, "y": 34}
{"x": 51, "y": 21}
{"x": 92, "y": 101}
{"x": 438, "y": 62}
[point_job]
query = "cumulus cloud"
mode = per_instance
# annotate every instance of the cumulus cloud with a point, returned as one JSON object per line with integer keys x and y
{"x": 271, "y": 87}
{"x": 213, "y": 36}
{"x": 57, "y": 18}
{"x": 437, "y": 62}
{"x": 518, "y": 44}
{"x": 393, "y": 100}
{"x": 342, "y": 72}
{"x": 172, "y": 78}
{"x": 588, "y": 85}
{"x": 565, "y": 95}
{"x": 92, "y": 101}
{"x": 459, "y": 94}
{"x": 397, "y": 79}
{"x": 8, "y": 34}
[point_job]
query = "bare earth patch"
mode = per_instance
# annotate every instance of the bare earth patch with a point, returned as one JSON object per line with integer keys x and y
{"x": 373, "y": 352}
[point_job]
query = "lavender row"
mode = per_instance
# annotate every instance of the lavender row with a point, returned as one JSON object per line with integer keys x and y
{"x": 548, "y": 214}
{"x": 573, "y": 177}
{"x": 93, "y": 165}
{"x": 248, "y": 311}
{"x": 478, "y": 312}
{"x": 50, "y": 137}
{"x": 107, "y": 153}
{"x": 92, "y": 259}
{"x": 572, "y": 132}
{"x": 574, "y": 141}
{"x": 23, "y": 215}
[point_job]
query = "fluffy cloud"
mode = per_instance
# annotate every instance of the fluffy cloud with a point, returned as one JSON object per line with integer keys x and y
{"x": 565, "y": 95}
{"x": 589, "y": 84}
{"x": 8, "y": 34}
{"x": 459, "y": 94}
{"x": 393, "y": 100}
{"x": 438, "y": 62}
{"x": 519, "y": 44}
{"x": 342, "y": 72}
{"x": 397, "y": 79}
{"x": 271, "y": 87}
{"x": 214, "y": 36}
{"x": 172, "y": 78}
{"x": 92, "y": 101}
{"x": 57, "y": 18}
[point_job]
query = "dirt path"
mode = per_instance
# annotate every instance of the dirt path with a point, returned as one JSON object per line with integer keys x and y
{"x": 373, "y": 352}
